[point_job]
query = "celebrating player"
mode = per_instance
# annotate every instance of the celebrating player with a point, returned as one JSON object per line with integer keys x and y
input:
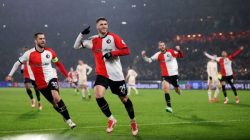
{"x": 225, "y": 62}
{"x": 169, "y": 69}
{"x": 131, "y": 80}
{"x": 39, "y": 59}
{"x": 74, "y": 77}
{"x": 83, "y": 70}
{"x": 107, "y": 47}
{"x": 28, "y": 81}
{"x": 213, "y": 79}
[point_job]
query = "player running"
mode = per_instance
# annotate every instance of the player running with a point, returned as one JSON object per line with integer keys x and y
{"x": 131, "y": 80}
{"x": 28, "y": 81}
{"x": 169, "y": 69}
{"x": 74, "y": 78}
{"x": 213, "y": 79}
{"x": 225, "y": 62}
{"x": 39, "y": 59}
{"x": 83, "y": 70}
{"x": 107, "y": 47}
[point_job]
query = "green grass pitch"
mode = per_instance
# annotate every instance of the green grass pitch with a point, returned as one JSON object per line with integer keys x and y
{"x": 193, "y": 117}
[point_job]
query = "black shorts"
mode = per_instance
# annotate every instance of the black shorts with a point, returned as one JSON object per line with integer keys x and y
{"x": 228, "y": 79}
{"x": 53, "y": 85}
{"x": 173, "y": 80}
{"x": 117, "y": 87}
{"x": 27, "y": 80}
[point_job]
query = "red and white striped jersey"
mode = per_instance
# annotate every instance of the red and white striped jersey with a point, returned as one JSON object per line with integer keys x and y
{"x": 168, "y": 62}
{"x": 111, "y": 68}
{"x": 40, "y": 64}
{"x": 73, "y": 75}
{"x": 226, "y": 63}
{"x": 27, "y": 72}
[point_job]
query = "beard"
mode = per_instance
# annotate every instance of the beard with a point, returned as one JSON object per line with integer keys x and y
{"x": 41, "y": 45}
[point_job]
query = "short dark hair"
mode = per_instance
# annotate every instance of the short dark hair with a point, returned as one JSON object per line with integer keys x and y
{"x": 101, "y": 18}
{"x": 161, "y": 42}
{"x": 36, "y": 34}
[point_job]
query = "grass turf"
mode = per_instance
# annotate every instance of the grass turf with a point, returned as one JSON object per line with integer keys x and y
{"x": 193, "y": 117}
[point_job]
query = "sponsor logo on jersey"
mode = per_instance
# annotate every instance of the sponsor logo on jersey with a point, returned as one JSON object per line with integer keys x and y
{"x": 108, "y": 41}
{"x": 47, "y": 56}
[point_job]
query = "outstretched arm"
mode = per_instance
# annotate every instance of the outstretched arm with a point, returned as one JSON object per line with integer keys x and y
{"x": 80, "y": 43}
{"x": 149, "y": 60}
{"x": 236, "y": 53}
{"x": 209, "y": 56}
{"x": 13, "y": 70}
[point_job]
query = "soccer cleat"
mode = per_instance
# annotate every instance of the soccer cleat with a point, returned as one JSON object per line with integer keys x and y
{"x": 237, "y": 101}
{"x": 40, "y": 107}
{"x": 169, "y": 109}
{"x": 71, "y": 124}
{"x": 134, "y": 128}
{"x": 225, "y": 100}
{"x": 216, "y": 100}
{"x": 89, "y": 96}
{"x": 111, "y": 124}
{"x": 33, "y": 103}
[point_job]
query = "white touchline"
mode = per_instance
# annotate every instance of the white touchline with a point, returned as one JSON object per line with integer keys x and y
{"x": 149, "y": 124}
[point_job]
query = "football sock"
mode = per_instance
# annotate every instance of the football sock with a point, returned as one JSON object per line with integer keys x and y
{"x": 167, "y": 98}
{"x": 224, "y": 90}
{"x": 234, "y": 90}
{"x": 216, "y": 93}
{"x": 102, "y": 103}
{"x": 209, "y": 93}
{"x": 130, "y": 109}
{"x": 62, "y": 109}
{"x": 37, "y": 94}
{"x": 83, "y": 93}
{"x": 29, "y": 92}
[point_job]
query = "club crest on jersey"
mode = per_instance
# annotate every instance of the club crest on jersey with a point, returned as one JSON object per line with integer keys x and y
{"x": 108, "y": 41}
{"x": 47, "y": 56}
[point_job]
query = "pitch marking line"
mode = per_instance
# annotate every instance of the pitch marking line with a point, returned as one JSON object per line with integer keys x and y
{"x": 149, "y": 124}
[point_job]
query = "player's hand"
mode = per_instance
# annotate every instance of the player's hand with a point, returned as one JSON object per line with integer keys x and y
{"x": 8, "y": 78}
{"x": 242, "y": 47}
{"x": 210, "y": 78}
{"x": 178, "y": 48}
{"x": 143, "y": 53}
{"x": 86, "y": 31}
{"x": 108, "y": 55}
{"x": 205, "y": 52}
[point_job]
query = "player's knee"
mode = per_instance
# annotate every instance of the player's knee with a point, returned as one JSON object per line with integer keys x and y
{"x": 124, "y": 99}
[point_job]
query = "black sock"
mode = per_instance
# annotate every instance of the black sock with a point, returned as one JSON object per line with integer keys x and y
{"x": 224, "y": 90}
{"x": 167, "y": 98}
{"x": 29, "y": 92}
{"x": 37, "y": 94}
{"x": 62, "y": 109}
{"x": 234, "y": 90}
{"x": 102, "y": 103}
{"x": 130, "y": 109}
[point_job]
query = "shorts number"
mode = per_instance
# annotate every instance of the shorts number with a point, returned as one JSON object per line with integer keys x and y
{"x": 55, "y": 84}
{"x": 123, "y": 89}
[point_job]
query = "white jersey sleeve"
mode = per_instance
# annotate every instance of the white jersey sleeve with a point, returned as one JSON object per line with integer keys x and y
{"x": 80, "y": 43}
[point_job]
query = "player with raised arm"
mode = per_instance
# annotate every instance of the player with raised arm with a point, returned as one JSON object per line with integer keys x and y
{"x": 213, "y": 79}
{"x": 83, "y": 70}
{"x": 107, "y": 47}
{"x": 225, "y": 62}
{"x": 131, "y": 76}
{"x": 74, "y": 79}
{"x": 169, "y": 69}
{"x": 28, "y": 81}
{"x": 40, "y": 60}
